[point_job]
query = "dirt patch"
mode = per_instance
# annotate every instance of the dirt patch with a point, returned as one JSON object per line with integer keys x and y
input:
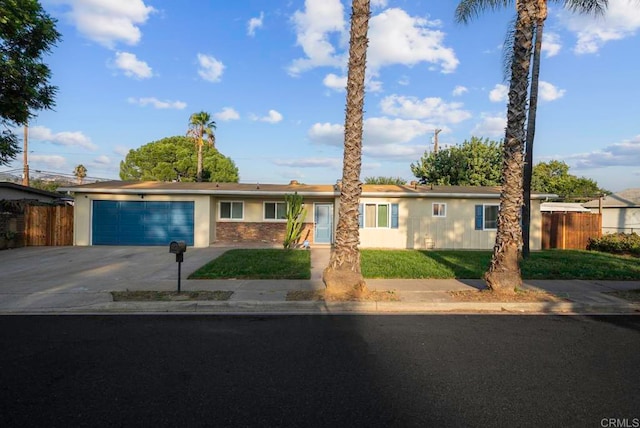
{"x": 169, "y": 296}
{"x": 518, "y": 297}
{"x": 320, "y": 295}
{"x": 631, "y": 295}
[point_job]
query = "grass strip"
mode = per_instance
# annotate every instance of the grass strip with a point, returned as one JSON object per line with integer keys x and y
{"x": 267, "y": 263}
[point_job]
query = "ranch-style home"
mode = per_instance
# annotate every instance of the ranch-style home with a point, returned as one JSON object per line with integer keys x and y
{"x": 391, "y": 216}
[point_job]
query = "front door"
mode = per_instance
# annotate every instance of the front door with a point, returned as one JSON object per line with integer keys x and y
{"x": 323, "y": 224}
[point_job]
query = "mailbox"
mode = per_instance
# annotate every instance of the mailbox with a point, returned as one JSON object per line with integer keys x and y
{"x": 178, "y": 248}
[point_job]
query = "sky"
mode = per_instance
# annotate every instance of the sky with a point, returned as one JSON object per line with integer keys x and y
{"x": 272, "y": 74}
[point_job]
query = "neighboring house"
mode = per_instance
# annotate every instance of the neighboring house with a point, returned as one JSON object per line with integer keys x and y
{"x": 391, "y": 216}
{"x": 620, "y": 211}
{"x": 17, "y": 192}
{"x": 563, "y": 207}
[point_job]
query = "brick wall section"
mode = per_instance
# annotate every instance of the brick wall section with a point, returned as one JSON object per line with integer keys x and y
{"x": 258, "y": 232}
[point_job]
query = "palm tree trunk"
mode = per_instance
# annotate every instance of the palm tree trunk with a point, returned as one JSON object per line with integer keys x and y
{"x": 199, "y": 166}
{"x": 343, "y": 273}
{"x": 504, "y": 275}
{"x": 531, "y": 129}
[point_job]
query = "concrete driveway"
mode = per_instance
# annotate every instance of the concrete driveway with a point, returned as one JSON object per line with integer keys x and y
{"x": 37, "y": 277}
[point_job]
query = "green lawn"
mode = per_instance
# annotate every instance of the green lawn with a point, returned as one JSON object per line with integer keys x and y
{"x": 548, "y": 264}
{"x": 268, "y": 263}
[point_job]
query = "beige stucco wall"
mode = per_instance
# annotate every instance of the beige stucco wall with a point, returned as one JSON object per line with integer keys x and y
{"x": 623, "y": 220}
{"x": 254, "y": 208}
{"x": 418, "y": 229}
{"x": 82, "y": 214}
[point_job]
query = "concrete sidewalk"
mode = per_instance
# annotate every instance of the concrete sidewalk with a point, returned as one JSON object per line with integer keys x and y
{"x": 88, "y": 290}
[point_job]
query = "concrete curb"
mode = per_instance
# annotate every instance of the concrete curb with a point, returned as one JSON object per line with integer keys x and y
{"x": 331, "y": 308}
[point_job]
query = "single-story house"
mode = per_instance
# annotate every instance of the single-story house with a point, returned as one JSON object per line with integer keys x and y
{"x": 17, "y": 192}
{"x": 620, "y": 211}
{"x": 391, "y": 216}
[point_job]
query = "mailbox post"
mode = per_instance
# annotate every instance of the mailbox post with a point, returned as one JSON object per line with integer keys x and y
{"x": 178, "y": 248}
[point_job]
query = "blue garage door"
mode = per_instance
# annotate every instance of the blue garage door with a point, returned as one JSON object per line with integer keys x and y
{"x": 141, "y": 223}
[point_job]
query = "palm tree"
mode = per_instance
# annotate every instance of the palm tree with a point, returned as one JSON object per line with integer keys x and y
{"x": 580, "y": 6}
{"x": 504, "y": 270}
{"x": 80, "y": 172}
{"x": 200, "y": 127}
{"x": 343, "y": 273}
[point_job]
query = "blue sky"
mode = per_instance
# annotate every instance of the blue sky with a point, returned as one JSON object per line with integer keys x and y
{"x": 272, "y": 73}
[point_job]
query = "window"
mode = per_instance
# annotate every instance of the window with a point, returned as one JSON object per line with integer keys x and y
{"x": 378, "y": 215}
{"x": 232, "y": 210}
{"x": 438, "y": 209}
{"x": 486, "y": 217}
{"x": 275, "y": 210}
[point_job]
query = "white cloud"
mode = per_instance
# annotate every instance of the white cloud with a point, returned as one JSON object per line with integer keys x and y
{"x": 66, "y": 138}
{"x": 428, "y": 108}
{"x": 548, "y": 92}
{"x": 121, "y": 150}
{"x": 397, "y": 38}
{"x": 394, "y": 151}
{"x": 254, "y": 24}
{"x": 490, "y": 127}
{"x": 626, "y": 153}
{"x": 329, "y": 134}
{"x": 314, "y": 26}
{"x": 226, "y": 114}
{"x": 337, "y": 83}
{"x": 156, "y": 103}
{"x": 55, "y": 162}
{"x": 109, "y": 21}
{"x": 404, "y": 81}
{"x": 210, "y": 68}
{"x": 272, "y": 117}
{"x": 459, "y": 90}
{"x": 102, "y": 160}
{"x": 621, "y": 20}
{"x": 309, "y": 162}
{"x": 378, "y": 3}
{"x": 499, "y": 93}
{"x": 132, "y": 66}
{"x": 551, "y": 44}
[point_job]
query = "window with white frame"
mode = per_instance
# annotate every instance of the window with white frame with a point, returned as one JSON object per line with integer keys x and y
{"x": 379, "y": 216}
{"x": 275, "y": 210}
{"x": 490, "y": 217}
{"x": 438, "y": 209}
{"x": 231, "y": 210}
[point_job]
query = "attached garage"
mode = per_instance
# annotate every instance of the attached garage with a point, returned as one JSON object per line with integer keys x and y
{"x": 142, "y": 222}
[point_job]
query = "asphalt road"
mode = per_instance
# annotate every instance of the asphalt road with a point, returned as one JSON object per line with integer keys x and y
{"x": 305, "y": 371}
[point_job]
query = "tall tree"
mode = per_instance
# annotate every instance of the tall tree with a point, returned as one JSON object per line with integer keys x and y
{"x": 343, "y": 273}
{"x": 504, "y": 274}
{"x": 80, "y": 172}
{"x": 200, "y": 127}
{"x": 27, "y": 33}
{"x": 473, "y": 163}
{"x": 580, "y": 6}
{"x": 174, "y": 159}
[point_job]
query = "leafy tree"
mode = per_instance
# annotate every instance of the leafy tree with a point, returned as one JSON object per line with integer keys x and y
{"x": 175, "y": 158}
{"x": 200, "y": 127}
{"x": 49, "y": 185}
{"x": 80, "y": 172}
{"x": 343, "y": 273}
{"x": 474, "y": 163}
{"x": 554, "y": 177}
{"x": 27, "y": 32}
{"x": 385, "y": 180}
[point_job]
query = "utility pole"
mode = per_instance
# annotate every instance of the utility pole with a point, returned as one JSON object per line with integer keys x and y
{"x": 435, "y": 140}
{"x": 25, "y": 157}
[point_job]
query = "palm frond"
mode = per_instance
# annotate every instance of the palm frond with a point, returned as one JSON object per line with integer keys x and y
{"x": 469, "y": 9}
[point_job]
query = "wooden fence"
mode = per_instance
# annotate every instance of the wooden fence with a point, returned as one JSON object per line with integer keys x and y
{"x": 48, "y": 225}
{"x": 570, "y": 230}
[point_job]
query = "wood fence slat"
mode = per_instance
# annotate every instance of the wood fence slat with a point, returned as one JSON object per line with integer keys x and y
{"x": 48, "y": 225}
{"x": 570, "y": 230}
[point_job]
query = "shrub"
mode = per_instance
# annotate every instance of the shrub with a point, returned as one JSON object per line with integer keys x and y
{"x": 617, "y": 243}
